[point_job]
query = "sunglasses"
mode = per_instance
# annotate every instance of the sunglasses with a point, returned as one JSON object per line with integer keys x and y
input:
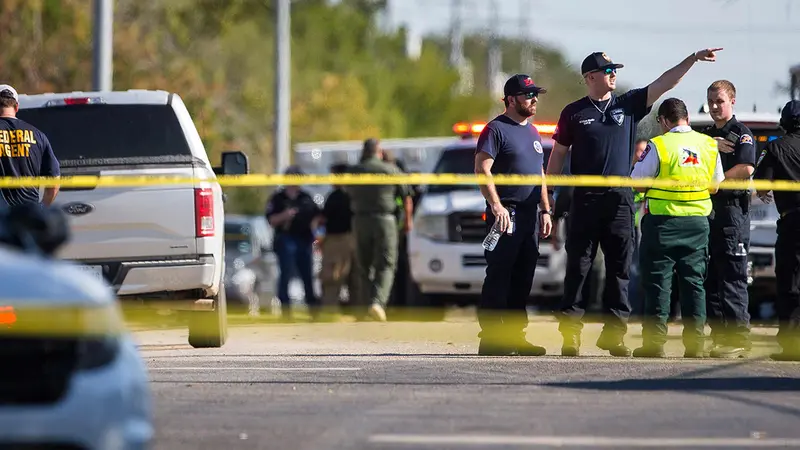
{"x": 529, "y": 95}
{"x": 608, "y": 71}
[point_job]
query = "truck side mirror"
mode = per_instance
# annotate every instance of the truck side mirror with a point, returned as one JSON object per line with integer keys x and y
{"x": 233, "y": 163}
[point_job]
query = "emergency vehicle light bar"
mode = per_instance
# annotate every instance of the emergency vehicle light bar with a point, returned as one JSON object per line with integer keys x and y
{"x": 473, "y": 129}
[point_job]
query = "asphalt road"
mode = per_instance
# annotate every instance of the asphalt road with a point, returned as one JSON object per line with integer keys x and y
{"x": 419, "y": 386}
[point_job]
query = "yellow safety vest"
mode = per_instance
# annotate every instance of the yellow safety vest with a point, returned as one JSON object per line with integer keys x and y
{"x": 690, "y": 157}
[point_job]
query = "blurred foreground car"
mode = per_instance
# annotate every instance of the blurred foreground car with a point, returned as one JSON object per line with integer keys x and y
{"x": 72, "y": 377}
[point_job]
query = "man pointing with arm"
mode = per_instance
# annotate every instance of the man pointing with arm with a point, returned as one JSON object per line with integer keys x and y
{"x": 601, "y": 129}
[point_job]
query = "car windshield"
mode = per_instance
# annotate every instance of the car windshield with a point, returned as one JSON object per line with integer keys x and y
{"x": 459, "y": 161}
{"x": 86, "y": 135}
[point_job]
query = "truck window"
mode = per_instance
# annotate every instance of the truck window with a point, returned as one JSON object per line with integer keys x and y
{"x": 111, "y": 134}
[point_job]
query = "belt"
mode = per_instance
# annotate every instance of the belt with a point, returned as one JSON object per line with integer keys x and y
{"x": 789, "y": 211}
{"x": 730, "y": 201}
{"x": 374, "y": 213}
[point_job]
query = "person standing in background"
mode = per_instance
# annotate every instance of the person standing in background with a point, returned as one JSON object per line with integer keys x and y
{"x": 24, "y": 152}
{"x": 780, "y": 160}
{"x": 375, "y": 228}
{"x": 338, "y": 247}
{"x": 294, "y": 216}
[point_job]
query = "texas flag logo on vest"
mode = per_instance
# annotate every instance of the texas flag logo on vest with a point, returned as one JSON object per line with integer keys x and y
{"x": 689, "y": 158}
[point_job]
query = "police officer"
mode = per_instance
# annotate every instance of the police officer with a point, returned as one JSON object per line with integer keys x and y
{"x": 510, "y": 144}
{"x": 294, "y": 217}
{"x": 726, "y": 284}
{"x": 601, "y": 130}
{"x": 780, "y": 160}
{"x": 675, "y": 228}
{"x": 24, "y": 152}
{"x": 374, "y": 225}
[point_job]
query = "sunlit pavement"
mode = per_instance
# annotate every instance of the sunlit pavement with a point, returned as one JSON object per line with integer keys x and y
{"x": 420, "y": 385}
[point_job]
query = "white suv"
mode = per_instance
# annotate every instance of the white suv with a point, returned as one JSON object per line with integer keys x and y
{"x": 445, "y": 250}
{"x": 151, "y": 243}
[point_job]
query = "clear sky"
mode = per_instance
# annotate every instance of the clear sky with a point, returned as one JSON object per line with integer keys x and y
{"x": 761, "y": 38}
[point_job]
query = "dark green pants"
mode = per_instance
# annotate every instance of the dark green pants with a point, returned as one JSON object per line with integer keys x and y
{"x": 679, "y": 244}
{"x": 376, "y": 256}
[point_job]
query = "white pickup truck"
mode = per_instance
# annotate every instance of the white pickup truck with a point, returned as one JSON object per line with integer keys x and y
{"x": 159, "y": 243}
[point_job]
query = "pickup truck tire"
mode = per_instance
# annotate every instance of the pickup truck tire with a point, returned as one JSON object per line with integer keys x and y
{"x": 209, "y": 329}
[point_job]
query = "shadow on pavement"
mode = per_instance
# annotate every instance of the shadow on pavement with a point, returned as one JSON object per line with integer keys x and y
{"x": 728, "y": 384}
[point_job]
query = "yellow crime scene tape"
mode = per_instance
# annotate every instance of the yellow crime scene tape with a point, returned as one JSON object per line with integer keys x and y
{"x": 254, "y": 180}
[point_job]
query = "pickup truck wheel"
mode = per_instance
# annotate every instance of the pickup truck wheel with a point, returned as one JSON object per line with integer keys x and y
{"x": 209, "y": 329}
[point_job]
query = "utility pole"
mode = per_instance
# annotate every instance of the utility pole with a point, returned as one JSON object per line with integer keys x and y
{"x": 282, "y": 86}
{"x": 456, "y": 34}
{"x": 495, "y": 52}
{"x": 103, "y": 45}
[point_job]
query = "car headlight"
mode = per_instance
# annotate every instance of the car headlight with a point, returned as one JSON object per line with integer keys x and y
{"x": 432, "y": 227}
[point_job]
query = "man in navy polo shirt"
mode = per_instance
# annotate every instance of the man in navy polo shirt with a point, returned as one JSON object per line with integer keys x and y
{"x": 24, "y": 152}
{"x": 601, "y": 129}
{"x": 511, "y": 145}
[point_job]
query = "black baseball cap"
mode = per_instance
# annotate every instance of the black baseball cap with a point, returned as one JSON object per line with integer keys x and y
{"x": 521, "y": 84}
{"x": 293, "y": 170}
{"x": 791, "y": 111}
{"x": 598, "y": 61}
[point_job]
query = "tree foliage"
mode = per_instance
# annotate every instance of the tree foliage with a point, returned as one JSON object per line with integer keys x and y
{"x": 350, "y": 79}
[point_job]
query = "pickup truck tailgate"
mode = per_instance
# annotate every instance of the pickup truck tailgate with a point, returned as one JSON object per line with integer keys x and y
{"x": 126, "y": 223}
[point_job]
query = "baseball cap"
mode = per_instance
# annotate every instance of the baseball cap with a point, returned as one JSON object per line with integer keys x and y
{"x": 8, "y": 91}
{"x": 791, "y": 110}
{"x": 293, "y": 170}
{"x": 598, "y": 61}
{"x": 521, "y": 84}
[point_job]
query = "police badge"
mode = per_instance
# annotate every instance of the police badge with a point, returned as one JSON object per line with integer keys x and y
{"x": 618, "y": 115}
{"x": 537, "y": 146}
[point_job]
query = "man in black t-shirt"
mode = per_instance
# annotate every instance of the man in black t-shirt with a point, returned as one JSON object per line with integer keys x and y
{"x": 601, "y": 129}
{"x": 780, "y": 160}
{"x": 294, "y": 216}
{"x": 24, "y": 152}
{"x": 511, "y": 145}
{"x": 338, "y": 246}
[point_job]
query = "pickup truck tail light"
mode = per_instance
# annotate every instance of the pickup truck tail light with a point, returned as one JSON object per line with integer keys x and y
{"x": 204, "y": 212}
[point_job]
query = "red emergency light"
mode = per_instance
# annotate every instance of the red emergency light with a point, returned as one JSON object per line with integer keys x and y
{"x": 70, "y": 101}
{"x": 473, "y": 129}
{"x": 8, "y": 316}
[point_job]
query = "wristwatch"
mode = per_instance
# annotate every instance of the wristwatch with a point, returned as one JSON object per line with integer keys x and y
{"x": 548, "y": 212}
